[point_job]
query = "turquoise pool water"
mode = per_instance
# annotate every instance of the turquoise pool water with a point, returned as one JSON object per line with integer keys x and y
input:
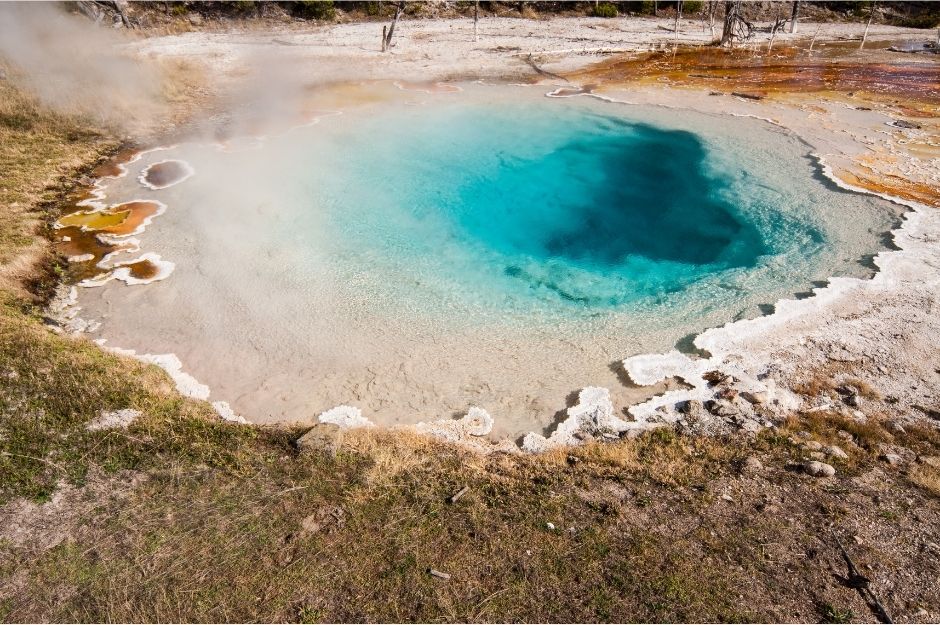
{"x": 549, "y": 206}
{"x": 419, "y": 254}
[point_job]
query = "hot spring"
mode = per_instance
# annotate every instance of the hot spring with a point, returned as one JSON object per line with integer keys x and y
{"x": 420, "y": 253}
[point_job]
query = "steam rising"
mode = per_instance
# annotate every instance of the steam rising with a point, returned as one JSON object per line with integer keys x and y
{"x": 73, "y": 65}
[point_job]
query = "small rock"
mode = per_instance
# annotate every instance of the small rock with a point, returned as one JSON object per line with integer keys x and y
{"x": 857, "y": 539}
{"x": 550, "y": 526}
{"x": 759, "y": 398}
{"x": 836, "y": 452}
{"x": 853, "y": 400}
{"x": 752, "y": 465}
{"x": 113, "y": 420}
{"x": 901, "y": 123}
{"x": 818, "y": 469}
{"x": 812, "y": 446}
{"x": 727, "y": 498}
{"x": 931, "y": 461}
{"x": 845, "y": 435}
{"x": 694, "y": 410}
{"x": 817, "y": 455}
{"x": 326, "y": 437}
{"x": 195, "y": 19}
{"x": 750, "y": 426}
{"x": 892, "y": 459}
{"x": 897, "y": 428}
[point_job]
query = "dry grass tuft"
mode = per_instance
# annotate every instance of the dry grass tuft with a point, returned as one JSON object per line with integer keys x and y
{"x": 927, "y": 477}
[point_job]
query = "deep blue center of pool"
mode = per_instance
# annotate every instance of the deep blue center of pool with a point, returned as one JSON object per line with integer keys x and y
{"x": 556, "y": 203}
{"x": 612, "y": 191}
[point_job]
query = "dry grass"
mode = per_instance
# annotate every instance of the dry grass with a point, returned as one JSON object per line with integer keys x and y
{"x": 37, "y": 148}
{"x": 927, "y": 477}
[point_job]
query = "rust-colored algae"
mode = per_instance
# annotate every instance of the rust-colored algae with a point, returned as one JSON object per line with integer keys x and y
{"x": 902, "y": 86}
{"x": 142, "y": 270}
{"x": 113, "y": 168}
{"x": 136, "y": 215}
{"x": 786, "y": 70}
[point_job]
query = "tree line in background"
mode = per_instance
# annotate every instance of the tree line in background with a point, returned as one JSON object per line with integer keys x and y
{"x": 901, "y": 13}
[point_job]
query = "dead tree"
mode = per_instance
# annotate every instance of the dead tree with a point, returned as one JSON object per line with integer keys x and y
{"x": 96, "y": 11}
{"x": 736, "y": 27}
{"x": 678, "y": 17}
{"x": 476, "y": 17}
{"x": 711, "y": 17}
{"x": 871, "y": 14}
{"x": 387, "y": 34}
{"x": 794, "y": 16}
{"x": 777, "y": 27}
{"x": 813, "y": 42}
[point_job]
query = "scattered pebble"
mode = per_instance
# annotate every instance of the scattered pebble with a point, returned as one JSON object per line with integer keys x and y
{"x": 550, "y": 526}
{"x": 836, "y": 452}
{"x": 892, "y": 459}
{"x": 439, "y": 574}
{"x": 818, "y": 469}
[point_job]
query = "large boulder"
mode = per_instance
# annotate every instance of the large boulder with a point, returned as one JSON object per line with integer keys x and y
{"x": 323, "y": 437}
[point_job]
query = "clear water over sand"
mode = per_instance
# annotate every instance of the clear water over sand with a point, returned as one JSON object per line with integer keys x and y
{"x": 427, "y": 252}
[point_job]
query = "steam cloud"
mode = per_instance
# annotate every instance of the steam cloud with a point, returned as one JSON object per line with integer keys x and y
{"x": 73, "y": 65}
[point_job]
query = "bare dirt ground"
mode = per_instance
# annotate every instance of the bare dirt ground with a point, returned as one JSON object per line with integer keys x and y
{"x": 443, "y": 49}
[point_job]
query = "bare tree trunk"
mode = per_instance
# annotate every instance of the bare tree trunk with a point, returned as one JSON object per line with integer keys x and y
{"x": 384, "y": 37}
{"x": 813, "y": 42}
{"x": 96, "y": 10}
{"x": 90, "y": 10}
{"x": 678, "y": 17}
{"x": 387, "y": 41}
{"x": 476, "y": 17}
{"x": 794, "y": 16}
{"x": 731, "y": 14}
{"x": 778, "y": 23}
{"x": 711, "y": 17}
{"x": 121, "y": 7}
{"x": 871, "y": 14}
{"x": 655, "y": 8}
